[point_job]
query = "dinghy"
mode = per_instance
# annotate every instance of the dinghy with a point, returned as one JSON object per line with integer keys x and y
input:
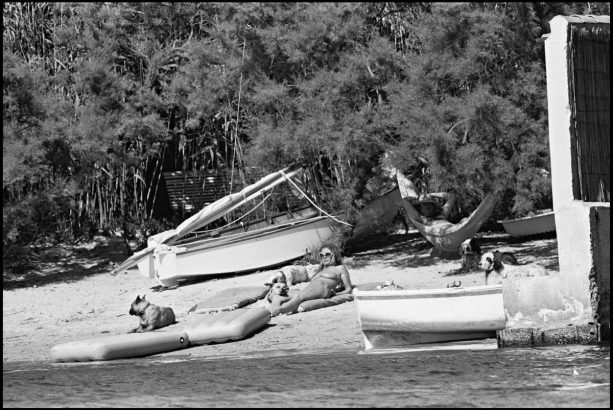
{"x": 400, "y": 318}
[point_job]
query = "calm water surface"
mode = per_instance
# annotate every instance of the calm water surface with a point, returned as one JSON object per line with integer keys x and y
{"x": 564, "y": 376}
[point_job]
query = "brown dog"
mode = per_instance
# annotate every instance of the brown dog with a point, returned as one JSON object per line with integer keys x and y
{"x": 151, "y": 316}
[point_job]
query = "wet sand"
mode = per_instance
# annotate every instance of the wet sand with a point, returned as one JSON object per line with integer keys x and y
{"x": 73, "y": 295}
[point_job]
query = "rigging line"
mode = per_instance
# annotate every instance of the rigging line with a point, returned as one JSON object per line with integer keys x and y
{"x": 313, "y": 203}
{"x": 238, "y": 219}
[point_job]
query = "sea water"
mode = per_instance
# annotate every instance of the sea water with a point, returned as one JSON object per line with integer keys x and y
{"x": 559, "y": 376}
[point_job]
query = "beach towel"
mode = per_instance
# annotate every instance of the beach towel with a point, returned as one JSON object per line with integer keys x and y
{"x": 230, "y": 299}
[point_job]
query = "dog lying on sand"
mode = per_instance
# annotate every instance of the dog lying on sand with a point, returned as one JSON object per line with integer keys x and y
{"x": 276, "y": 296}
{"x": 470, "y": 251}
{"x": 151, "y": 316}
{"x": 496, "y": 270}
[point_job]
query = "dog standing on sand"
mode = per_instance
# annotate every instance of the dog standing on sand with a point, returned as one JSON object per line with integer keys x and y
{"x": 496, "y": 270}
{"x": 151, "y": 316}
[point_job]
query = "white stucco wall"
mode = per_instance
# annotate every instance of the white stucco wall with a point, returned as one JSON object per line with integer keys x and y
{"x": 564, "y": 299}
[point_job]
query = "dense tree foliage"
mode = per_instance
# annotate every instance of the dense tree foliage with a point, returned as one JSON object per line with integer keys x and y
{"x": 99, "y": 98}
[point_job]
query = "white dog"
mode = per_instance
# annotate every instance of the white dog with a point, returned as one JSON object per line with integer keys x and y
{"x": 471, "y": 253}
{"x": 277, "y": 289}
{"x": 277, "y": 295}
{"x": 498, "y": 270}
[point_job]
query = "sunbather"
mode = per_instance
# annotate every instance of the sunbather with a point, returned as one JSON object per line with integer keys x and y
{"x": 331, "y": 279}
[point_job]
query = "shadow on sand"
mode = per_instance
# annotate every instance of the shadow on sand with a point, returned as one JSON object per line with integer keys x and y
{"x": 64, "y": 265}
{"x": 398, "y": 250}
{"x": 413, "y": 250}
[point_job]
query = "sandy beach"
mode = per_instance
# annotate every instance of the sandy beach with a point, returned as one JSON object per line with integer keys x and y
{"x": 75, "y": 296}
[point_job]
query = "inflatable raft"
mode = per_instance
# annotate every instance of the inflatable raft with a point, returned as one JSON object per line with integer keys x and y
{"x": 120, "y": 346}
{"x": 209, "y": 328}
{"x": 226, "y": 326}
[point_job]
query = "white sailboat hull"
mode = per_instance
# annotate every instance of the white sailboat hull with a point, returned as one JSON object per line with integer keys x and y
{"x": 177, "y": 255}
{"x": 239, "y": 252}
{"x": 399, "y": 318}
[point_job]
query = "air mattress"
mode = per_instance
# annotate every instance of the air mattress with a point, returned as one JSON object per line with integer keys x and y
{"x": 314, "y": 304}
{"x": 226, "y": 326}
{"x": 120, "y": 346}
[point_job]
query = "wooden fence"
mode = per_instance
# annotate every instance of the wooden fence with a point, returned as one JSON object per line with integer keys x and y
{"x": 589, "y": 71}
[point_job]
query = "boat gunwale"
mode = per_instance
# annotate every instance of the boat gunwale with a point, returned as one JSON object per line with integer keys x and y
{"x": 208, "y": 243}
{"x": 427, "y": 293}
{"x": 226, "y": 233}
{"x": 528, "y": 218}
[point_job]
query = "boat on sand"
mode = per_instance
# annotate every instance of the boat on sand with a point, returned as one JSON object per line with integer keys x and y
{"x": 543, "y": 222}
{"x": 401, "y": 318}
{"x": 183, "y": 253}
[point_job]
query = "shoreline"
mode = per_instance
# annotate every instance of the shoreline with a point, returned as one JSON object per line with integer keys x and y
{"x": 78, "y": 298}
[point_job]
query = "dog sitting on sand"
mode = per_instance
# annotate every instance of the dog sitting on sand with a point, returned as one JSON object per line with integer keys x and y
{"x": 496, "y": 270}
{"x": 151, "y": 316}
{"x": 470, "y": 251}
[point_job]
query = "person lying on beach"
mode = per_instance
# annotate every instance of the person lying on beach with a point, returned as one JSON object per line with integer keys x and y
{"x": 331, "y": 279}
{"x": 293, "y": 274}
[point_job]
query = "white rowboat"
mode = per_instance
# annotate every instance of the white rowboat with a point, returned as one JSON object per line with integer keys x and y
{"x": 399, "y": 318}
